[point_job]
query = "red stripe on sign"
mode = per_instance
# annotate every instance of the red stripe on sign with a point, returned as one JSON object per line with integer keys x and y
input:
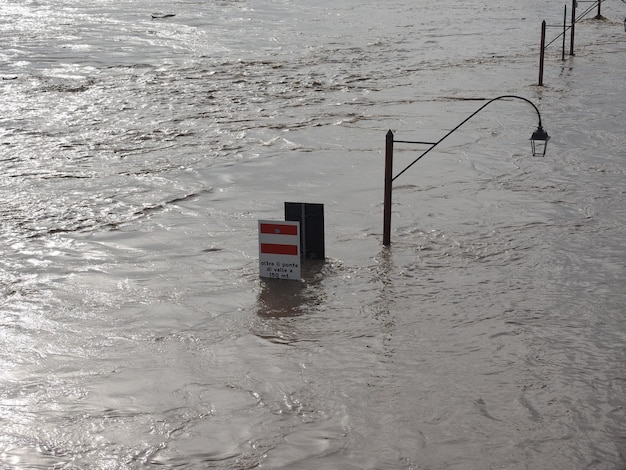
{"x": 275, "y": 249}
{"x": 279, "y": 229}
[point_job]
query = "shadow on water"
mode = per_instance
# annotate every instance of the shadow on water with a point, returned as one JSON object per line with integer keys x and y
{"x": 280, "y": 298}
{"x": 382, "y": 305}
{"x": 281, "y": 302}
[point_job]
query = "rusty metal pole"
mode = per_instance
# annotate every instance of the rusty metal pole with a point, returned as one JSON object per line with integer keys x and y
{"x": 543, "y": 51}
{"x": 571, "y": 41}
{"x": 388, "y": 185}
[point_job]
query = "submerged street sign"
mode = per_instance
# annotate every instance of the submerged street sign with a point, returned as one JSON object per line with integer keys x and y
{"x": 279, "y": 249}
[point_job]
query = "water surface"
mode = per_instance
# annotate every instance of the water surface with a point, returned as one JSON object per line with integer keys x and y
{"x": 137, "y": 154}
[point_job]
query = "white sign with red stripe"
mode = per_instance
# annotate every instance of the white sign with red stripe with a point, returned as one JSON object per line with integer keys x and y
{"x": 279, "y": 249}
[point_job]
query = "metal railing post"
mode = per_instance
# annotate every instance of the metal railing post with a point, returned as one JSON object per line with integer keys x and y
{"x": 388, "y": 185}
{"x": 564, "y": 30}
{"x": 543, "y": 51}
{"x": 571, "y": 41}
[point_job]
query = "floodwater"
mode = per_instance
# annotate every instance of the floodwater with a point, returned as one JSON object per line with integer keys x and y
{"x": 137, "y": 155}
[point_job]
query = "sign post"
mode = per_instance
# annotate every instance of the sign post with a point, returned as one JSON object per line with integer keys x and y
{"x": 279, "y": 249}
{"x": 311, "y": 218}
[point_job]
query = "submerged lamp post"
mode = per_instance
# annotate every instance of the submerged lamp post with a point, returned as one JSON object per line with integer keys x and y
{"x": 539, "y": 143}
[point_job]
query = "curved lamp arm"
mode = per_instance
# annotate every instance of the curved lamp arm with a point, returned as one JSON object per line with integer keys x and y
{"x": 539, "y": 138}
{"x": 539, "y": 134}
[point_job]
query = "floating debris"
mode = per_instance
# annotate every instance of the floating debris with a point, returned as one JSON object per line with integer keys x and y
{"x": 163, "y": 15}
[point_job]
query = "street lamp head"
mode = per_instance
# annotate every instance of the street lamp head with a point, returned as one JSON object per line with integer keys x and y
{"x": 539, "y": 142}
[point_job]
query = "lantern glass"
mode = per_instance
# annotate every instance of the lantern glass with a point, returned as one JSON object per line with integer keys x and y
{"x": 539, "y": 142}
